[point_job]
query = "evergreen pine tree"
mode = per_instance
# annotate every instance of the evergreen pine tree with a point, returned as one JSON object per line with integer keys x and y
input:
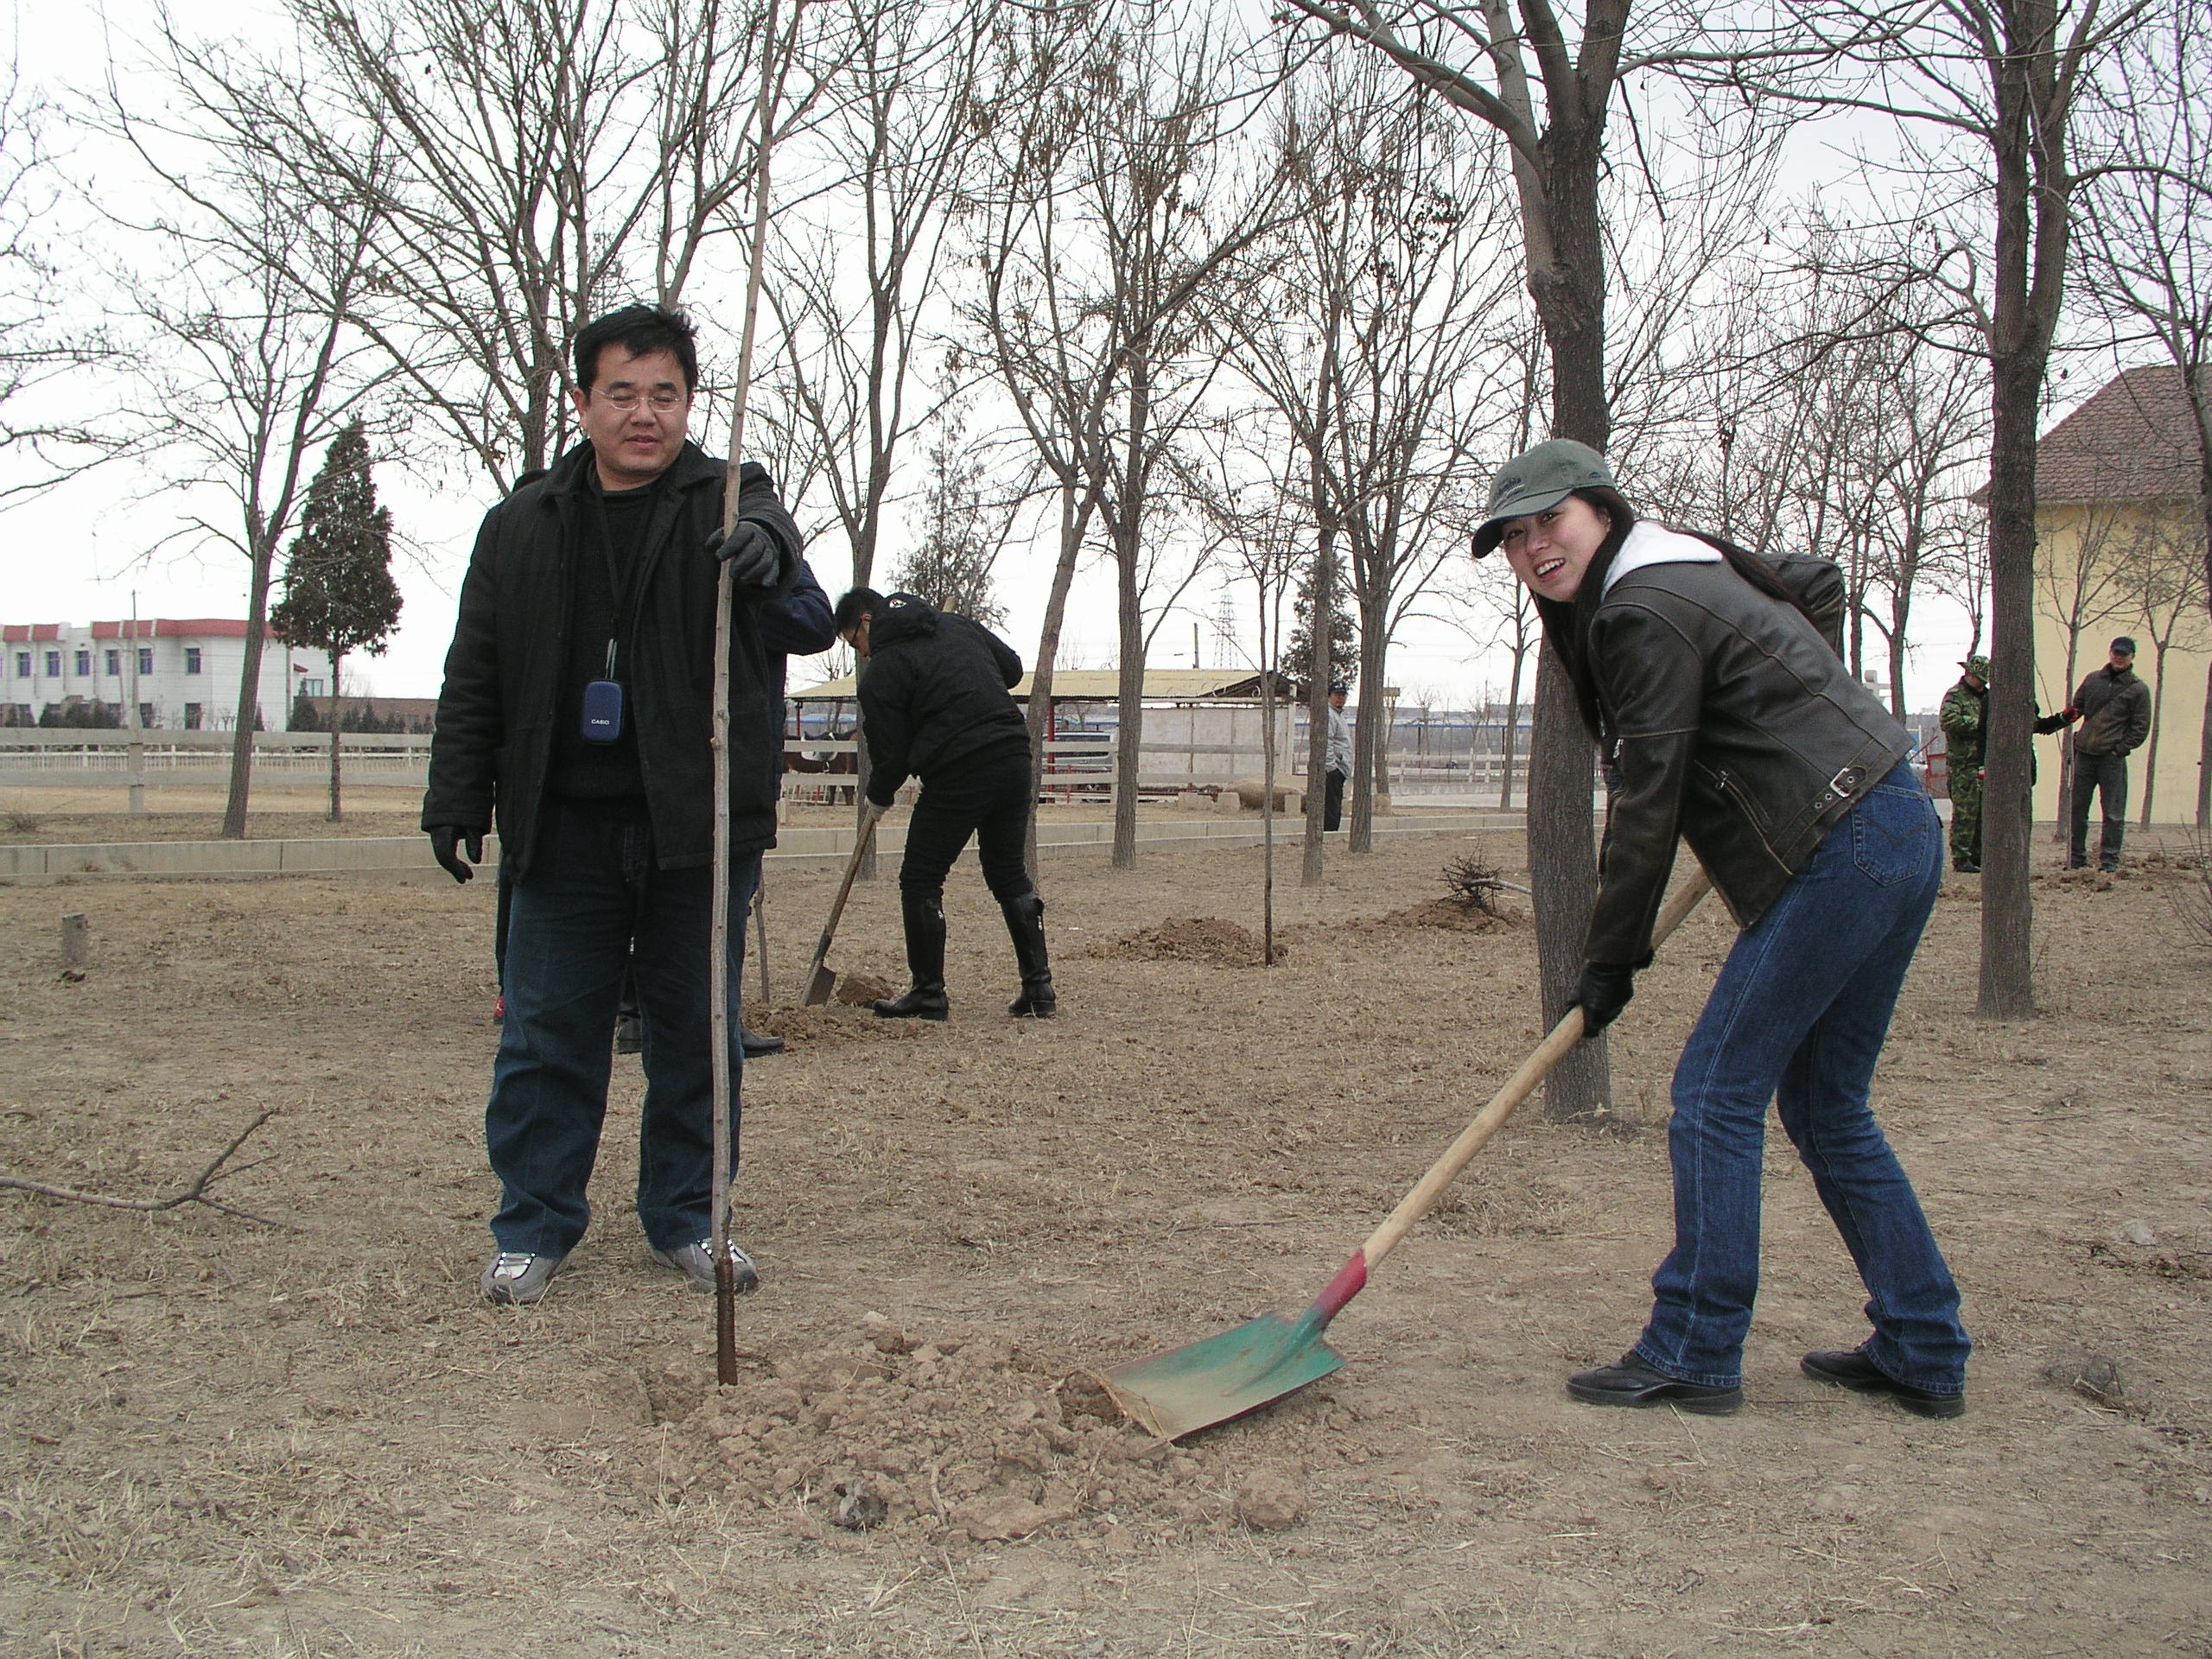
{"x": 1344, "y": 639}
{"x": 339, "y": 593}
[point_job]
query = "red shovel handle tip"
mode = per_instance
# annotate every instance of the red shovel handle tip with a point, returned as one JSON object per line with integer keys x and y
{"x": 1351, "y": 1279}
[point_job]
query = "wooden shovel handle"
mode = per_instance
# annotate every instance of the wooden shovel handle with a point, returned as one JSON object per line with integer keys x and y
{"x": 1518, "y": 1087}
{"x": 845, "y": 887}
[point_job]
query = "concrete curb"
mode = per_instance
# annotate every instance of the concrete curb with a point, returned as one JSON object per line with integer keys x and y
{"x": 397, "y": 857}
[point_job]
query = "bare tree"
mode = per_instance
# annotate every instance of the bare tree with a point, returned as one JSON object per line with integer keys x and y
{"x": 1987, "y": 92}
{"x": 246, "y": 364}
{"x": 2081, "y": 592}
{"x": 2147, "y": 244}
{"x": 32, "y": 349}
{"x": 1515, "y": 67}
{"x": 1394, "y": 261}
{"x": 527, "y": 163}
{"x": 2165, "y": 567}
{"x": 1112, "y": 212}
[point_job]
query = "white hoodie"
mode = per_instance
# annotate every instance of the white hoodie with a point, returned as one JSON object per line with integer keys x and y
{"x": 1652, "y": 544}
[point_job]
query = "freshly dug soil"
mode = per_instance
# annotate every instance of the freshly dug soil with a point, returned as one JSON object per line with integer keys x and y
{"x": 950, "y": 1438}
{"x": 858, "y": 990}
{"x": 820, "y": 1027}
{"x": 1452, "y": 917}
{"x": 222, "y": 1438}
{"x": 1204, "y": 939}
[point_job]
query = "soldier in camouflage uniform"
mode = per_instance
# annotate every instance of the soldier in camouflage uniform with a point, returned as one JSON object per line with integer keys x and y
{"x": 1965, "y": 717}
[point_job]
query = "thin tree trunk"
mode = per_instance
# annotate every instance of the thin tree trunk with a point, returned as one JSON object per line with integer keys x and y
{"x": 2007, "y": 988}
{"x": 336, "y": 721}
{"x": 1512, "y": 728}
{"x": 1370, "y": 742}
{"x": 1128, "y": 753}
{"x": 257, "y": 634}
{"x": 1563, "y": 878}
{"x": 2158, "y": 720}
{"x": 2204, "y": 760}
{"x": 1319, "y": 621}
{"x": 1074, "y": 521}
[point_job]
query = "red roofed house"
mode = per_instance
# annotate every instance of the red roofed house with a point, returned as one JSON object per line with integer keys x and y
{"x": 2120, "y": 550}
{"x": 188, "y": 672}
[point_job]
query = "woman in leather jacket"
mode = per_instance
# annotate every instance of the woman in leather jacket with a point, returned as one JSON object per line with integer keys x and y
{"x": 1733, "y": 724}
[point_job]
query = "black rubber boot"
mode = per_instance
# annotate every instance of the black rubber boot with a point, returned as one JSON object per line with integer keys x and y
{"x": 1025, "y": 920}
{"x": 923, "y": 910}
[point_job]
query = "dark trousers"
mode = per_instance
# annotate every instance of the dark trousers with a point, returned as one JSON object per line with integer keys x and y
{"x": 987, "y": 797}
{"x": 2093, "y": 774}
{"x": 593, "y": 903}
{"x": 1332, "y": 799}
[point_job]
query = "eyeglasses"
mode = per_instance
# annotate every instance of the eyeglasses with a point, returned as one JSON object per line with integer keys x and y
{"x": 661, "y": 400}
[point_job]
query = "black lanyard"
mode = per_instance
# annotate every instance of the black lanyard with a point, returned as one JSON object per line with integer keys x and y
{"x": 628, "y": 595}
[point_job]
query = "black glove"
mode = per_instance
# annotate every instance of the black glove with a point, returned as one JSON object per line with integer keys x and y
{"x": 1601, "y": 991}
{"x": 445, "y": 838}
{"x": 751, "y": 553}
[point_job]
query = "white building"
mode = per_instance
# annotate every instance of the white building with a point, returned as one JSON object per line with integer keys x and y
{"x": 188, "y": 672}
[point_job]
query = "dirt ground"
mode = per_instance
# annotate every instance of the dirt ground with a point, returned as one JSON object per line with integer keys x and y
{"x": 219, "y": 1438}
{"x": 77, "y": 815}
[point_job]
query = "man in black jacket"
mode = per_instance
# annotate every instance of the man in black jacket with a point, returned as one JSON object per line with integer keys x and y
{"x": 934, "y": 705}
{"x": 2114, "y": 709}
{"x": 577, "y": 716}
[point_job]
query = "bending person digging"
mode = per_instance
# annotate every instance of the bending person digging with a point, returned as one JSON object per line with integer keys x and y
{"x": 934, "y": 705}
{"x": 1737, "y": 727}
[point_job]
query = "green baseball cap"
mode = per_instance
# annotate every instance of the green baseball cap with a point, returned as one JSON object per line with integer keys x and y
{"x": 1543, "y": 477}
{"x": 1977, "y": 666}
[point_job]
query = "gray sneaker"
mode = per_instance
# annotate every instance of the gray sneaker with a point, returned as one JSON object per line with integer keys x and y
{"x": 697, "y": 1263}
{"x": 518, "y": 1278}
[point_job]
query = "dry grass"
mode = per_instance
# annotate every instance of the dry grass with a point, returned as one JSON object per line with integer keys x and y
{"x": 222, "y": 1440}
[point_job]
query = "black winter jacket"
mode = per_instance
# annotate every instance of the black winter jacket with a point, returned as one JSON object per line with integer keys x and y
{"x": 2115, "y": 713}
{"x": 1738, "y": 728}
{"x": 934, "y": 694}
{"x": 494, "y": 734}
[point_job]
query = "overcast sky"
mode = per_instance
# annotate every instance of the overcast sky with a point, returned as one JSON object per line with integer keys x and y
{"x": 78, "y": 552}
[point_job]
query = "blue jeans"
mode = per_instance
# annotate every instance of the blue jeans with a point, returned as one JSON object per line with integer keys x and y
{"x": 594, "y": 900}
{"x": 1798, "y": 1016}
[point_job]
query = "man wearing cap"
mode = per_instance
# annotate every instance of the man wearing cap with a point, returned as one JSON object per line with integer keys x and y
{"x": 1965, "y": 717}
{"x": 1339, "y": 767}
{"x": 2114, "y": 709}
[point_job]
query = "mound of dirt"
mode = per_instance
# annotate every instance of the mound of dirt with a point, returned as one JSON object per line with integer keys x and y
{"x": 957, "y": 1439}
{"x": 858, "y": 990}
{"x": 1449, "y": 915}
{"x": 820, "y": 1027}
{"x": 1207, "y": 939}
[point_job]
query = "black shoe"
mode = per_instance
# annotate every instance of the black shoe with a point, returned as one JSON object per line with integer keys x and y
{"x": 1851, "y": 1369}
{"x": 1966, "y": 866}
{"x": 1024, "y": 924}
{"x": 629, "y": 1034}
{"x": 755, "y": 1043}
{"x": 1632, "y": 1383}
{"x": 923, "y": 1002}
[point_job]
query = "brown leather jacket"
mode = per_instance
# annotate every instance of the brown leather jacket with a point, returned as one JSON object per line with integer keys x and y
{"x": 1736, "y": 726}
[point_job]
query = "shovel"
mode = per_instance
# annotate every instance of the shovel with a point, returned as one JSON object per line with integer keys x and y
{"x": 1211, "y": 1382}
{"x": 820, "y": 981}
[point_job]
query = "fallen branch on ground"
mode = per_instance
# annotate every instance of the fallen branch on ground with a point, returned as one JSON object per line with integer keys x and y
{"x": 195, "y": 1191}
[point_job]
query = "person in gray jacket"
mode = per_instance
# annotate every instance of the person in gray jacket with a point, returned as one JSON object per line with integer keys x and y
{"x": 2114, "y": 709}
{"x": 1339, "y": 764}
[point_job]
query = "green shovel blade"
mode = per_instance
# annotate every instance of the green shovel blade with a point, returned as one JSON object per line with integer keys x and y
{"x": 1193, "y": 1387}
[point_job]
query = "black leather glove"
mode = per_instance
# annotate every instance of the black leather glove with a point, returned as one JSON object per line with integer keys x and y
{"x": 1601, "y": 991}
{"x": 751, "y": 553}
{"x": 446, "y": 839}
